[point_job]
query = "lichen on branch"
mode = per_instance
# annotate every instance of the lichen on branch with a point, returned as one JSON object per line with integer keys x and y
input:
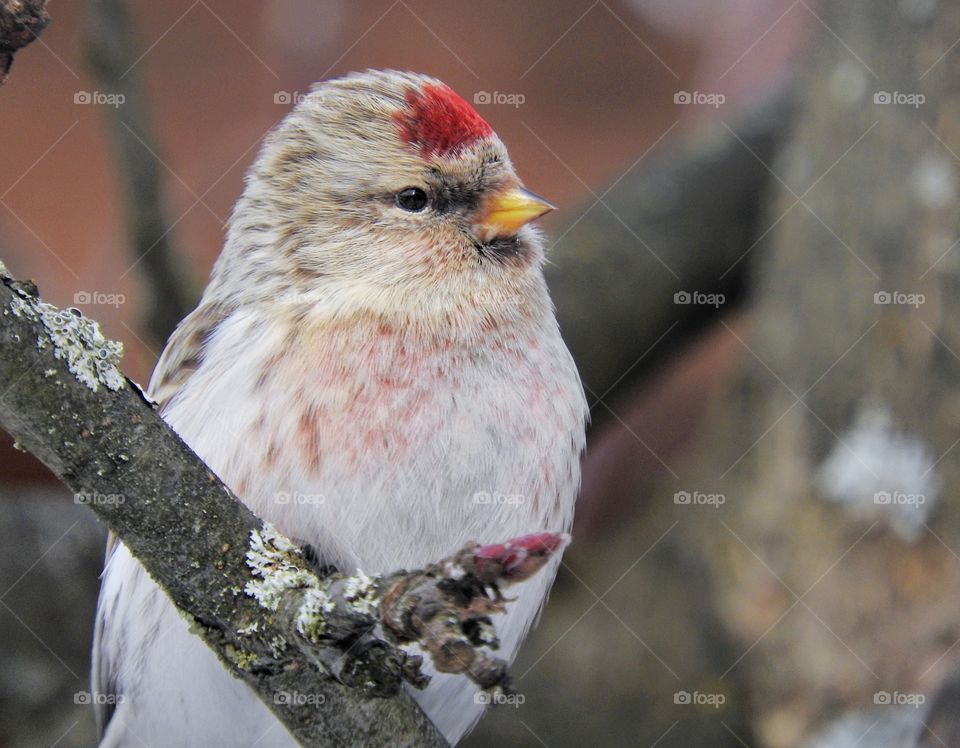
{"x": 91, "y": 358}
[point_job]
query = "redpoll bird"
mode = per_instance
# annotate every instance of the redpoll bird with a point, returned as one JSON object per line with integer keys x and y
{"x": 375, "y": 368}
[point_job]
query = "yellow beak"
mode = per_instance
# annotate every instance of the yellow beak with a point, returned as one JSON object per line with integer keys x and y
{"x": 505, "y": 212}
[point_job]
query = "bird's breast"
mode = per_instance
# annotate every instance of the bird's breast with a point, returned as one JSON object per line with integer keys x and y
{"x": 383, "y": 452}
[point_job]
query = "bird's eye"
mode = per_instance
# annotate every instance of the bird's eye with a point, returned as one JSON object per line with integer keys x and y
{"x": 412, "y": 199}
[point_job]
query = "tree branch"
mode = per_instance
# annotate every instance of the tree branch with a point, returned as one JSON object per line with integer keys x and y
{"x": 171, "y": 292}
{"x": 249, "y": 592}
{"x": 689, "y": 218}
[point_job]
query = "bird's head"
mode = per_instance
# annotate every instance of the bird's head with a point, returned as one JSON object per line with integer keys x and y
{"x": 387, "y": 191}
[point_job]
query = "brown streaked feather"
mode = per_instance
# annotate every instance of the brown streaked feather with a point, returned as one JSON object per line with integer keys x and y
{"x": 183, "y": 352}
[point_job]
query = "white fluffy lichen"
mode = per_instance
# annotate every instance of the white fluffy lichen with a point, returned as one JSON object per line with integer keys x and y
{"x": 278, "y": 565}
{"x": 310, "y": 616}
{"x": 90, "y": 357}
{"x": 486, "y": 633}
{"x": 275, "y": 561}
{"x": 454, "y": 570}
{"x": 361, "y": 593}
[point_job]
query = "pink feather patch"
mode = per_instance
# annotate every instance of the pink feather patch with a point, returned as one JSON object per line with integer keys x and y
{"x": 439, "y": 122}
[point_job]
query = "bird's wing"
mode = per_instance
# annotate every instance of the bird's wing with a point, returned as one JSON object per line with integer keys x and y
{"x": 180, "y": 358}
{"x": 183, "y": 353}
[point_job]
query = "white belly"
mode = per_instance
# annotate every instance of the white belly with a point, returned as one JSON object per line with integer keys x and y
{"x": 393, "y": 466}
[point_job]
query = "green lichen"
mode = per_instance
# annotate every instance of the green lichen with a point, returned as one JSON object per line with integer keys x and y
{"x": 310, "y": 618}
{"x": 240, "y": 657}
{"x": 90, "y": 357}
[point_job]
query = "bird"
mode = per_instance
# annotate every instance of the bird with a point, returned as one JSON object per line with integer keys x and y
{"x": 375, "y": 368}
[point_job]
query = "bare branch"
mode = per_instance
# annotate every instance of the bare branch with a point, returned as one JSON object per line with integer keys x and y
{"x": 170, "y": 295}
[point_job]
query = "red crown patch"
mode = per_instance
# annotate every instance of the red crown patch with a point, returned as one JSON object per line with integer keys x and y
{"x": 439, "y": 122}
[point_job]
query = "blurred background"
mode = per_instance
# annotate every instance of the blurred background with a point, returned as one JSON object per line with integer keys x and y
{"x": 755, "y": 265}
